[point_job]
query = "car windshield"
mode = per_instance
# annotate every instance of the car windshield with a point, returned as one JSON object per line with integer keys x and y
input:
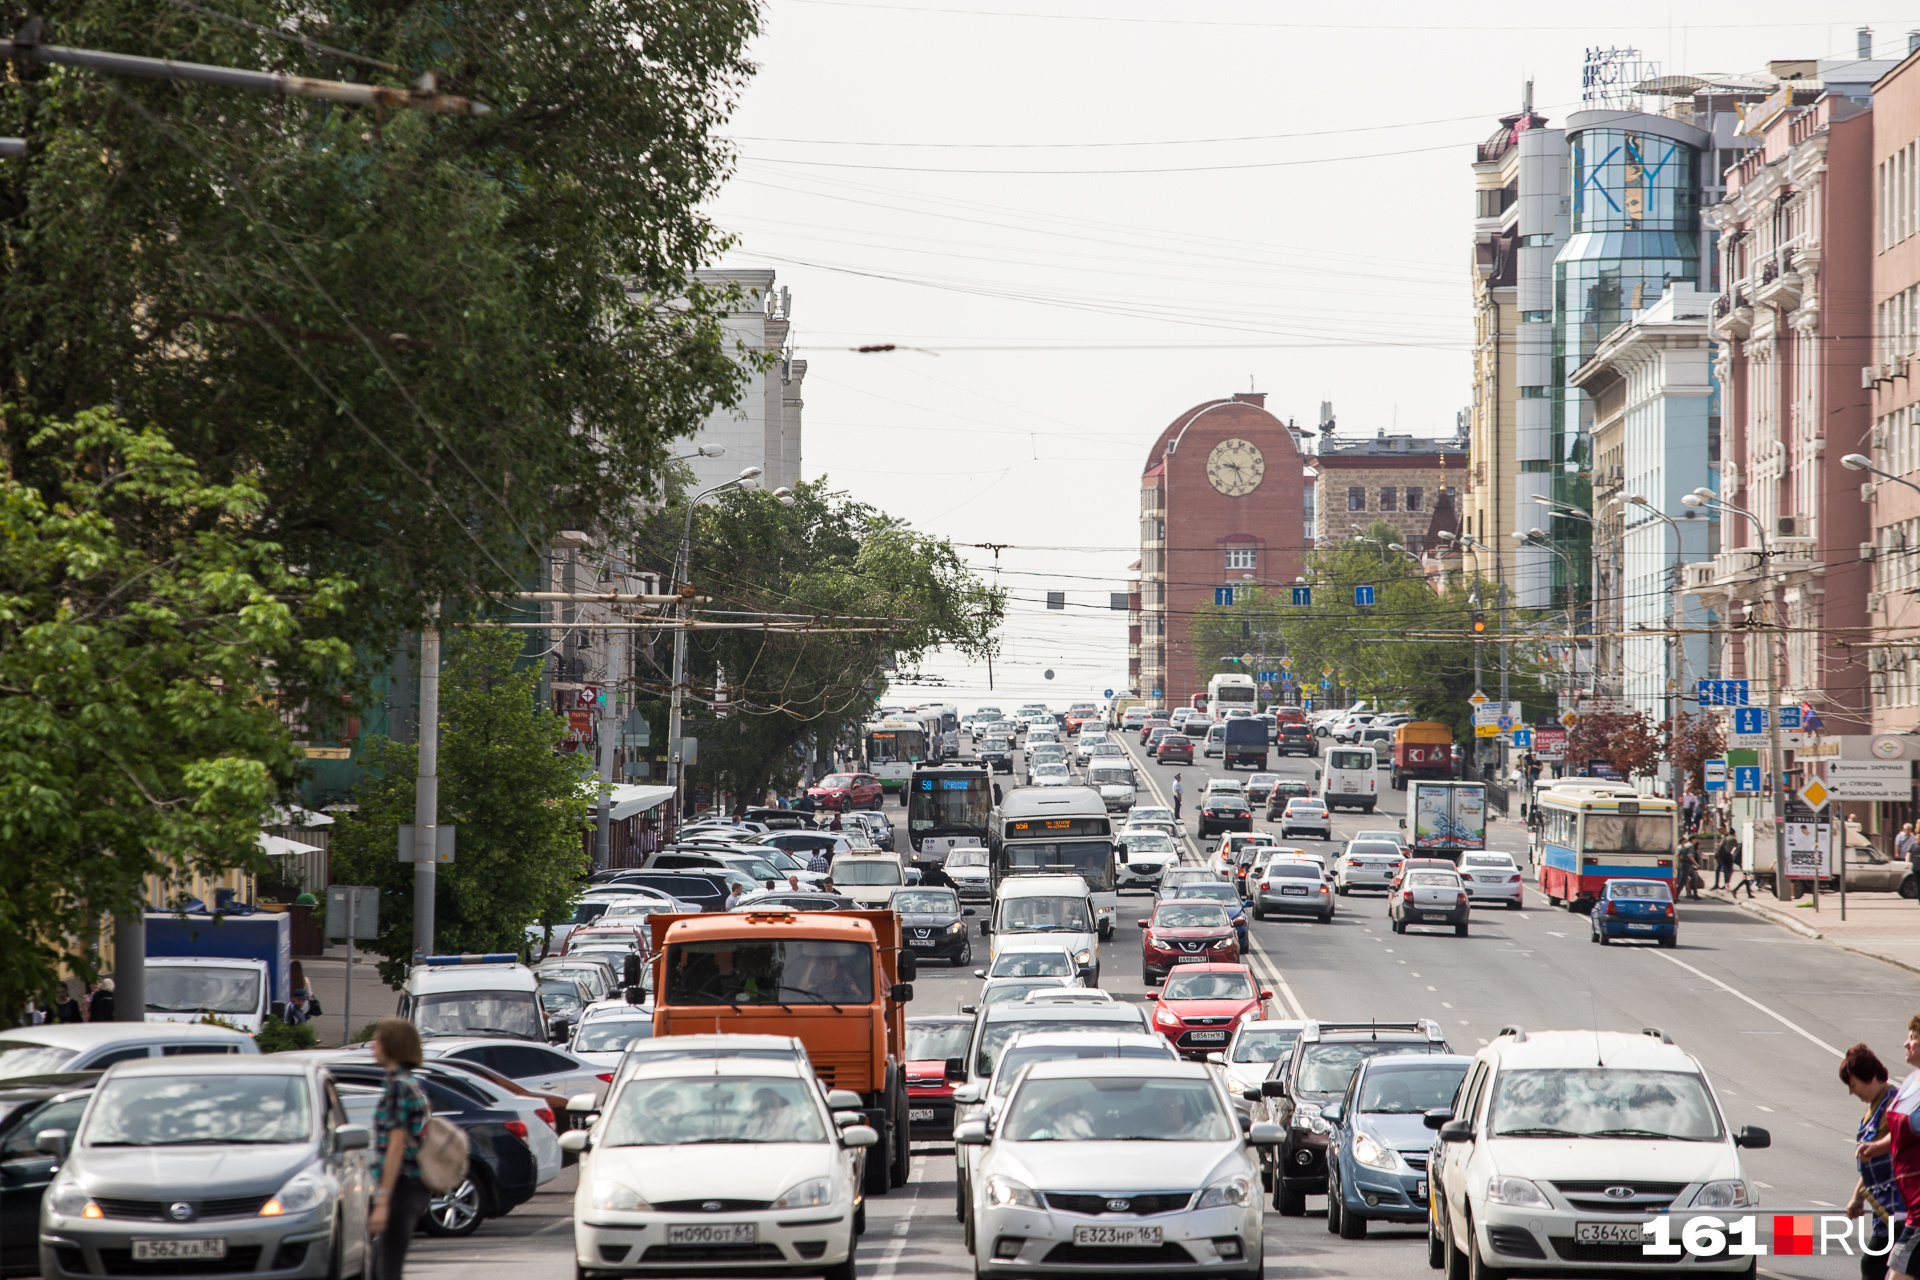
{"x": 967, "y": 858}
{"x": 1032, "y": 964}
{"x": 711, "y": 1109}
{"x": 995, "y": 744}
{"x": 1603, "y": 1102}
{"x": 561, "y": 999}
{"x": 1433, "y": 880}
{"x": 1197, "y": 916}
{"x": 1260, "y": 1045}
{"x": 1350, "y": 760}
{"x": 1326, "y": 1068}
{"x": 636, "y": 908}
{"x": 735, "y": 971}
{"x": 202, "y": 989}
{"x": 1017, "y": 989}
{"x": 1637, "y": 889}
{"x": 611, "y": 1035}
{"x": 837, "y": 780}
{"x": 1401, "y": 1090}
{"x": 1149, "y": 842}
{"x": 190, "y": 1110}
{"x": 1299, "y": 870}
{"x": 937, "y": 1041}
{"x": 1117, "y": 1109}
{"x": 1111, "y": 777}
{"x": 1208, "y": 986}
{"x": 1489, "y": 860}
{"x": 479, "y": 1013}
{"x": 1049, "y": 770}
{"x": 1021, "y": 1054}
{"x": 926, "y": 902}
{"x": 1217, "y": 892}
{"x": 1376, "y": 849}
{"x": 866, "y": 871}
{"x": 1607, "y": 833}
{"x": 18, "y": 1058}
{"x": 584, "y": 913}
{"x": 994, "y": 1036}
{"x": 1044, "y": 915}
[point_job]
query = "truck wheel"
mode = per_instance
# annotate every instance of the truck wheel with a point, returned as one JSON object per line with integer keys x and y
{"x": 875, "y": 1181}
{"x": 901, "y": 1166}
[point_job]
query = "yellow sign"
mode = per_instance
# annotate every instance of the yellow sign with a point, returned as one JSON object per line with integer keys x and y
{"x": 1814, "y": 793}
{"x": 1478, "y": 699}
{"x": 327, "y": 753}
{"x": 1569, "y": 719}
{"x": 1486, "y": 731}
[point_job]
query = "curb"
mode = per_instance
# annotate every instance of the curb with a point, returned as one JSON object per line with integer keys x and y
{"x": 1808, "y": 931}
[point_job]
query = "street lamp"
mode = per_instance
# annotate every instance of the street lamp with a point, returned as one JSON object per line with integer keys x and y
{"x": 1704, "y": 497}
{"x": 1675, "y": 641}
{"x": 1860, "y": 462}
{"x": 704, "y": 451}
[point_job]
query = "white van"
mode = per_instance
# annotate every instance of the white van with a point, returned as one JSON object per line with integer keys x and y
{"x": 1348, "y": 780}
{"x": 1114, "y": 777}
{"x": 474, "y": 995}
{"x": 1061, "y": 907}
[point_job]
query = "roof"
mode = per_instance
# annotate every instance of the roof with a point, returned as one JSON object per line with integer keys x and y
{"x": 1017, "y": 1011}
{"x": 438, "y": 979}
{"x": 1166, "y": 1068}
{"x": 1619, "y": 1049}
{"x": 669, "y": 1067}
{"x": 88, "y": 1035}
{"x": 224, "y": 1064}
{"x": 628, "y": 799}
{"x": 810, "y": 924}
{"x": 1034, "y": 886}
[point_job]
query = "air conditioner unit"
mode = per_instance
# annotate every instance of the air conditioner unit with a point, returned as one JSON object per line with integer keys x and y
{"x": 1875, "y": 599}
{"x": 1783, "y": 527}
{"x": 1868, "y": 377}
{"x": 1866, "y": 551}
{"x": 1897, "y": 367}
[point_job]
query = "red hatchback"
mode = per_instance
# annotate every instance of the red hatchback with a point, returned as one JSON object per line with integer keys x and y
{"x": 1202, "y": 1006}
{"x": 935, "y": 1046}
{"x": 848, "y": 791}
{"x": 1183, "y": 932}
{"x": 1177, "y": 749}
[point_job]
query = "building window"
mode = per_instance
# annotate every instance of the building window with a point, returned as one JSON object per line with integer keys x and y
{"x": 1540, "y": 240}
{"x": 1416, "y": 543}
{"x": 1389, "y": 498}
{"x": 1240, "y": 557}
{"x": 1414, "y": 496}
{"x": 1536, "y": 393}
{"x": 1356, "y": 499}
{"x": 1536, "y": 317}
{"x": 1535, "y": 464}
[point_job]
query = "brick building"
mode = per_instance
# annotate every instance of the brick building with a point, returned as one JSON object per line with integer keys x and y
{"x": 1222, "y": 499}
{"x": 1396, "y": 479}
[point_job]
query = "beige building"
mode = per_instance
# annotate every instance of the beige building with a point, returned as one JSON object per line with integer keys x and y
{"x": 1395, "y": 479}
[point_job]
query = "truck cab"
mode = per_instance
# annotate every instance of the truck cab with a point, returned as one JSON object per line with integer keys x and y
{"x": 190, "y": 988}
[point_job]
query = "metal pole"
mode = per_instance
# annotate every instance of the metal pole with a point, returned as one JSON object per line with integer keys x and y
{"x": 426, "y": 793}
{"x": 346, "y": 1037}
{"x": 130, "y": 966}
{"x": 609, "y": 718}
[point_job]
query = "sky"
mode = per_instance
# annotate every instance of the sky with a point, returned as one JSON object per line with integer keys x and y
{"x": 1075, "y": 219}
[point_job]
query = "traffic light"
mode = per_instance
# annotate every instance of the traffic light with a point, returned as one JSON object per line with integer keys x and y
{"x": 1479, "y": 622}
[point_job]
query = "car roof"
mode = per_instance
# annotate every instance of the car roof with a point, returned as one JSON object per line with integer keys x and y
{"x": 724, "y": 1043}
{"x": 1414, "y": 1061}
{"x": 1042, "y": 886}
{"x": 1623, "y": 1050}
{"x": 1028, "y": 942}
{"x": 671, "y": 1067}
{"x": 213, "y": 1064}
{"x": 1217, "y": 967}
{"x": 944, "y": 1019}
{"x": 89, "y": 1035}
{"x": 1052, "y": 1039}
{"x": 1165, "y": 1068}
{"x": 1019, "y": 1011}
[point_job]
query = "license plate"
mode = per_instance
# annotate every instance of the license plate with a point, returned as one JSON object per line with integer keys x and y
{"x": 162, "y": 1250}
{"x": 713, "y": 1233}
{"x": 1414, "y": 917}
{"x": 1192, "y": 960}
{"x": 1420, "y": 1189}
{"x": 1206, "y": 1036}
{"x": 1119, "y": 1236}
{"x": 921, "y": 942}
{"x": 920, "y": 1113}
{"x": 1294, "y": 888}
{"x": 1641, "y": 926}
{"x": 1609, "y": 1233}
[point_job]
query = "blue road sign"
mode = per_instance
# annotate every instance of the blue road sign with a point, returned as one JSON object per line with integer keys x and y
{"x": 1749, "y": 719}
{"x": 1286, "y": 680}
{"x": 1267, "y": 677}
{"x": 1363, "y": 595}
{"x": 1789, "y": 717}
{"x": 1303, "y": 596}
{"x": 1723, "y": 693}
{"x": 1223, "y": 595}
{"x": 1107, "y": 694}
{"x": 1714, "y": 775}
{"x": 1156, "y": 693}
{"x": 1746, "y": 779}
{"x": 1326, "y": 684}
{"x": 1523, "y": 739}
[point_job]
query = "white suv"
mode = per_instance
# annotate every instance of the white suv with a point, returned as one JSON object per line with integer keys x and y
{"x": 1561, "y": 1144}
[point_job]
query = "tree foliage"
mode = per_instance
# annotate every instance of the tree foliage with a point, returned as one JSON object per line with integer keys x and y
{"x": 518, "y": 805}
{"x": 1691, "y": 741}
{"x": 141, "y": 637}
{"x": 1628, "y": 741}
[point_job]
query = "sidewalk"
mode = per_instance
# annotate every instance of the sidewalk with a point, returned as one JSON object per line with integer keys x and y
{"x": 372, "y": 998}
{"x": 1883, "y": 926}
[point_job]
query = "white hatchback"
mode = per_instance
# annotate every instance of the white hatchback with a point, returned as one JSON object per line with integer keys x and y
{"x": 1493, "y": 877}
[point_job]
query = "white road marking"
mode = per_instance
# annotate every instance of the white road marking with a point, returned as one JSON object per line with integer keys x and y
{"x": 1757, "y": 1105}
{"x": 1430, "y": 988}
{"x": 1792, "y": 1026}
{"x": 1557, "y": 935}
{"x": 1443, "y": 1003}
{"x": 890, "y": 1260}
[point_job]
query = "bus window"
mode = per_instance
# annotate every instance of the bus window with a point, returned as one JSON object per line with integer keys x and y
{"x": 1610, "y": 833}
{"x": 950, "y": 806}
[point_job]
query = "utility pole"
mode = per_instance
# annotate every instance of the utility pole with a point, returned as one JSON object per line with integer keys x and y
{"x": 130, "y": 964}
{"x": 426, "y": 791}
{"x": 610, "y": 719}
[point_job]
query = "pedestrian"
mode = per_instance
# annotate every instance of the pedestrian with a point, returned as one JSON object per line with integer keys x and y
{"x": 1902, "y": 1141}
{"x": 817, "y": 862}
{"x": 804, "y": 805}
{"x": 1690, "y": 868}
{"x": 398, "y": 1122}
{"x": 100, "y": 1002}
{"x": 297, "y": 976}
{"x": 1904, "y": 842}
{"x": 68, "y": 1008}
{"x": 1176, "y": 796}
{"x": 835, "y": 824}
{"x": 300, "y": 1008}
{"x": 827, "y": 886}
{"x": 1723, "y": 863}
{"x": 734, "y": 897}
{"x": 934, "y": 876}
{"x": 1877, "y": 1193}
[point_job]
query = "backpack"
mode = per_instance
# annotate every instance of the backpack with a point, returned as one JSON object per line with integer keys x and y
{"x": 442, "y": 1155}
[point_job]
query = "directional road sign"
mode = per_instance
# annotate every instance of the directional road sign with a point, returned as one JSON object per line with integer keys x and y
{"x": 1790, "y": 719}
{"x": 1107, "y": 694}
{"x": 1723, "y": 693}
{"x": 1363, "y": 595}
{"x": 1303, "y": 596}
{"x": 1223, "y": 595}
{"x": 1746, "y": 779}
{"x": 1326, "y": 684}
{"x": 1156, "y": 693}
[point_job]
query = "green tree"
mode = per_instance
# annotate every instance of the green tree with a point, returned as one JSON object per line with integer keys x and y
{"x": 520, "y": 808}
{"x": 141, "y": 639}
{"x": 1629, "y": 741}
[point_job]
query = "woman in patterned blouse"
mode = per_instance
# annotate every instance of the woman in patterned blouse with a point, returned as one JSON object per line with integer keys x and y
{"x": 398, "y": 1123}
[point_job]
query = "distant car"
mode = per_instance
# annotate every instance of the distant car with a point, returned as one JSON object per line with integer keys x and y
{"x": 933, "y": 1044}
{"x": 847, "y": 791}
{"x": 1224, "y": 894}
{"x": 1000, "y": 990}
{"x": 1295, "y": 740}
{"x": 1259, "y": 785}
{"x": 878, "y": 823}
{"x": 1134, "y": 717}
{"x": 1032, "y": 956}
{"x": 1200, "y": 1006}
{"x": 1250, "y": 1054}
{"x": 796, "y": 900}
{"x": 1176, "y": 749}
{"x": 1148, "y": 727}
{"x": 1493, "y": 877}
{"x": 1225, "y": 811}
{"x": 968, "y": 870}
{"x": 1430, "y": 897}
{"x": 1366, "y": 864}
{"x": 1282, "y": 791}
{"x": 996, "y": 753}
{"x": 931, "y": 924}
{"x": 1182, "y": 932}
{"x": 1175, "y": 878}
{"x": 1306, "y": 815}
{"x": 1216, "y": 739}
{"x": 540, "y": 1067}
{"x": 605, "y": 1031}
{"x": 1049, "y": 774}
{"x": 1286, "y": 886}
{"x": 1148, "y": 853}
{"x": 1638, "y": 909}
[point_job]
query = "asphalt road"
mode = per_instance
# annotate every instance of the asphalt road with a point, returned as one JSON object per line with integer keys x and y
{"x": 1767, "y": 1013}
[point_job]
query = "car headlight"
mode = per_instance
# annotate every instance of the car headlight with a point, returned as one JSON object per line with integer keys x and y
{"x": 1250, "y": 1015}
{"x": 1373, "y": 1155}
{"x": 957, "y": 927}
{"x": 1517, "y": 1192}
{"x": 306, "y": 1190}
{"x": 69, "y": 1199}
{"x": 1233, "y": 1192}
{"x": 1732, "y": 1194}
{"x": 1003, "y": 1192}
{"x": 1307, "y": 1116}
{"x": 1155, "y": 942}
{"x": 608, "y": 1194}
{"x": 810, "y": 1194}
{"x": 1165, "y": 1017}
{"x": 1083, "y": 956}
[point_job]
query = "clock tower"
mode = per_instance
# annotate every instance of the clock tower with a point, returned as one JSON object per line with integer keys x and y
{"x": 1222, "y": 500}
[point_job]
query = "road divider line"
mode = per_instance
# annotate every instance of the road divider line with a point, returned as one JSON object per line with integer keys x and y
{"x": 1790, "y": 1025}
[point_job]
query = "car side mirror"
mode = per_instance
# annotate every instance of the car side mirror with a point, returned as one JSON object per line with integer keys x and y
{"x": 956, "y": 1069}
{"x": 1264, "y": 1134}
{"x": 1752, "y": 1137}
{"x": 969, "y": 1008}
{"x": 1142, "y": 923}
{"x": 1151, "y": 993}
{"x": 971, "y": 1134}
{"x": 1331, "y": 1113}
{"x": 986, "y": 928}
{"x": 843, "y": 1119}
{"x": 576, "y": 1140}
{"x": 630, "y": 969}
{"x": 1403, "y": 824}
{"x": 980, "y": 973}
{"x": 584, "y": 1102}
{"x": 1437, "y": 1117}
{"x": 1266, "y": 995}
{"x": 844, "y": 1100}
{"x": 969, "y": 1094}
{"x": 352, "y": 1137}
{"x": 558, "y": 1030}
{"x": 52, "y": 1142}
{"x": 967, "y": 911}
{"x": 636, "y": 995}
{"x": 909, "y": 967}
{"x": 1457, "y": 1131}
{"x": 900, "y": 992}
{"x": 1316, "y": 775}
{"x": 1273, "y": 1088}
{"x": 1251, "y": 1093}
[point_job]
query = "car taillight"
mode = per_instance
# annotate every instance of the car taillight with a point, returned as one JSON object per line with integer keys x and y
{"x": 1462, "y": 895}
{"x": 518, "y": 1128}
{"x": 1610, "y": 910}
{"x": 546, "y": 1114}
{"x": 606, "y": 1077}
{"x": 1513, "y": 879}
{"x": 1669, "y": 911}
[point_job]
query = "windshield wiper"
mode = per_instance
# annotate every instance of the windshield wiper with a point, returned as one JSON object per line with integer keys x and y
{"x": 1539, "y": 1131}
{"x": 805, "y": 992}
{"x": 1638, "y": 1133}
{"x": 487, "y": 1031}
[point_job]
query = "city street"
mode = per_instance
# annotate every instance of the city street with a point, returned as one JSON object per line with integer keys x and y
{"x": 1766, "y": 1011}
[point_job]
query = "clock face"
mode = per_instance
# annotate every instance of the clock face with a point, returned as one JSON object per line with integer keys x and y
{"x": 1235, "y": 467}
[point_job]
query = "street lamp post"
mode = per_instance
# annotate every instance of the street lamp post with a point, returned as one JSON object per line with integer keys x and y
{"x": 1860, "y": 462}
{"x": 1703, "y": 497}
{"x": 1675, "y": 673}
{"x": 1538, "y": 538}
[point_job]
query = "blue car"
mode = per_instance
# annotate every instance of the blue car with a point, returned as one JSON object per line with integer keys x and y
{"x": 1227, "y": 896}
{"x": 1637, "y": 909}
{"x": 1377, "y": 1151}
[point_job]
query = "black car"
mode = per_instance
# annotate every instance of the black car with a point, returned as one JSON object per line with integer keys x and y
{"x": 1225, "y": 812}
{"x": 996, "y": 754}
{"x": 1295, "y": 740}
{"x": 778, "y": 819}
{"x": 501, "y": 1173}
{"x": 932, "y": 925}
{"x": 707, "y": 890}
{"x": 1314, "y": 1074}
{"x": 25, "y": 1111}
{"x": 1282, "y": 792}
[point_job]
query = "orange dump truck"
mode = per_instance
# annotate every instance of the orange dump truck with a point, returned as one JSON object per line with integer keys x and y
{"x": 838, "y": 981}
{"x": 1421, "y": 749}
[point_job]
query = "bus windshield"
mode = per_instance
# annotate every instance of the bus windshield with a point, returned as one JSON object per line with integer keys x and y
{"x": 884, "y": 746}
{"x": 950, "y": 806}
{"x": 1092, "y": 860}
{"x": 1609, "y": 833}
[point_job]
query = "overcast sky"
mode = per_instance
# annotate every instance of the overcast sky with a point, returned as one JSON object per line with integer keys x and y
{"x": 1086, "y": 216}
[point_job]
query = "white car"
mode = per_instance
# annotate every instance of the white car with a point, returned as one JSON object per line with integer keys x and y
{"x": 532, "y": 1066}
{"x": 607, "y": 1028}
{"x": 1149, "y": 851}
{"x": 1563, "y": 1143}
{"x": 1130, "y": 1154}
{"x": 1367, "y": 864}
{"x": 1089, "y": 739}
{"x": 1149, "y": 813}
{"x": 1049, "y": 774}
{"x": 1493, "y": 877}
{"x": 1306, "y": 815}
{"x": 1396, "y": 838}
{"x": 967, "y": 868}
{"x": 718, "y": 1159}
{"x": 1031, "y": 956}
{"x": 1249, "y": 1057}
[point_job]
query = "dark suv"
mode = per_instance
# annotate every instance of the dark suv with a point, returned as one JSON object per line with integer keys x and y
{"x": 1294, "y": 740}
{"x": 1314, "y": 1074}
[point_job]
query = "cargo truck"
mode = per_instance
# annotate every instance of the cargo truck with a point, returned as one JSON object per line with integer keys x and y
{"x": 1449, "y": 818}
{"x": 1422, "y": 749}
{"x": 838, "y": 981}
{"x": 234, "y": 967}
{"x": 1245, "y": 744}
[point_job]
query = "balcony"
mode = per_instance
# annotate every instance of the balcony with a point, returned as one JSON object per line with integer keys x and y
{"x": 1778, "y": 287}
{"x": 1732, "y": 317}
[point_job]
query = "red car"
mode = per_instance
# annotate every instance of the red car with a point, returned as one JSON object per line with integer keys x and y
{"x": 1080, "y": 717}
{"x": 845, "y": 791}
{"x": 1177, "y": 749}
{"x": 1183, "y": 932}
{"x": 1146, "y": 730}
{"x": 1202, "y": 1005}
{"x": 933, "y": 1045}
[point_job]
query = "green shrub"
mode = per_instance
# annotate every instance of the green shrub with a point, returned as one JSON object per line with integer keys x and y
{"x": 279, "y": 1037}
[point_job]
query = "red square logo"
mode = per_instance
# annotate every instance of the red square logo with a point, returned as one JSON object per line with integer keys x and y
{"x": 1793, "y": 1235}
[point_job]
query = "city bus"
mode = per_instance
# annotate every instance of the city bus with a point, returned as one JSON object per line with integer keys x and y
{"x": 892, "y": 747}
{"x": 1225, "y": 693}
{"x": 949, "y": 728}
{"x": 948, "y": 805}
{"x": 1057, "y": 830}
{"x": 1587, "y": 831}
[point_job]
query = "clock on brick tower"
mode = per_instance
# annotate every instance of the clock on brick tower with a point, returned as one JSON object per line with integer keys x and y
{"x": 1222, "y": 503}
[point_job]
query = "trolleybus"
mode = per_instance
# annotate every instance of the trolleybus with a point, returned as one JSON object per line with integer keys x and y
{"x": 948, "y": 806}
{"x": 1587, "y": 831}
{"x": 1057, "y": 830}
{"x": 892, "y": 747}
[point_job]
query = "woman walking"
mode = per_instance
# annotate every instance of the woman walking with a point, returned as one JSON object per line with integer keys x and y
{"x": 1877, "y": 1193}
{"x": 1903, "y": 1144}
{"x": 398, "y": 1122}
